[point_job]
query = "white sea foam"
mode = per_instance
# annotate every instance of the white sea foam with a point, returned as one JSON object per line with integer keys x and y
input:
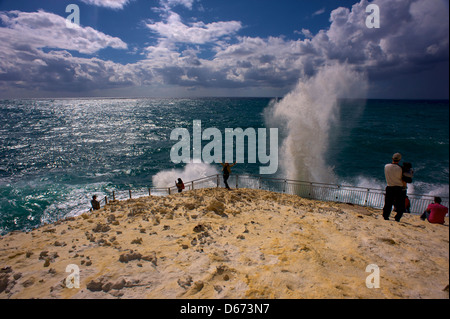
{"x": 416, "y": 188}
{"x": 366, "y": 182}
{"x": 306, "y": 116}
{"x": 441, "y": 190}
{"x": 75, "y": 201}
{"x": 191, "y": 171}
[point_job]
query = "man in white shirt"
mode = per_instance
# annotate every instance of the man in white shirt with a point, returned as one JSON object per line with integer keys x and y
{"x": 394, "y": 192}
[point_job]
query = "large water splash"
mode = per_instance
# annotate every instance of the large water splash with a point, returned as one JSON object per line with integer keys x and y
{"x": 306, "y": 116}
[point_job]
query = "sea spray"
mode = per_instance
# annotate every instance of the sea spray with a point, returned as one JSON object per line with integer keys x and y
{"x": 190, "y": 172}
{"x": 306, "y": 116}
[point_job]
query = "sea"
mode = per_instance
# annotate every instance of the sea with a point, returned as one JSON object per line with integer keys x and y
{"x": 56, "y": 153}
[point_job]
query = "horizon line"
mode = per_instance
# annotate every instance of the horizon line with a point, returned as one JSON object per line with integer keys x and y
{"x": 208, "y": 97}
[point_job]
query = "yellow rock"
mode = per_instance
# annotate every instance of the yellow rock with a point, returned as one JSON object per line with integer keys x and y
{"x": 215, "y": 243}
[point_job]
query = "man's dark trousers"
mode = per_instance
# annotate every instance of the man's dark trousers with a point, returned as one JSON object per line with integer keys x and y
{"x": 394, "y": 196}
{"x": 225, "y": 179}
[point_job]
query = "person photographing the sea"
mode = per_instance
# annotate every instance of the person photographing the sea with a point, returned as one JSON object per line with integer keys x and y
{"x": 226, "y": 169}
{"x": 394, "y": 190}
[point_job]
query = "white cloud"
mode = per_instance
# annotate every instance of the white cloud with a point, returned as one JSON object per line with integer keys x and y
{"x": 113, "y": 4}
{"x": 413, "y": 38}
{"x": 174, "y": 30}
{"x": 47, "y": 30}
{"x": 34, "y": 54}
{"x": 319, "y": 12}
{"x": 59, "y": 72}
{"x": 305, "y": 32}
{"x": 168, "y": 4}
{"x": 413, "y": 33}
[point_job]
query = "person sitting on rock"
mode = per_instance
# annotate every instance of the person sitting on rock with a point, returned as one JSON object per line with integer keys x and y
{"x": 435, "y": 213}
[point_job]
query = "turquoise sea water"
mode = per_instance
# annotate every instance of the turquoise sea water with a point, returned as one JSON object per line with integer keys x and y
{"x": 54, "y": 154}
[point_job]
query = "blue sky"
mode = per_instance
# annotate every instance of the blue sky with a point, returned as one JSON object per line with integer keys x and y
{"x": 182, "y": 48}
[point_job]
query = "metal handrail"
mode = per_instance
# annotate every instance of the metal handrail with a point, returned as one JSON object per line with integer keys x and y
{"x": 326, "y": 184}
{"x": 364, "y": 196}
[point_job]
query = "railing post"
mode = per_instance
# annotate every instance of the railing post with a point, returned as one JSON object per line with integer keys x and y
{"x": 129, "y": 192}
{"x": 259, "y": 182}
{"x": 218, "y": 180}
{"x": 149, "y": 191}
{"x": 367, "y": 197}
{"x": 114, "y": 195}
{"x": 169, "y": 190}
{"x": 106, "y": 200}
{"x": 192, "y": 183}
{"x": 237, "y": 184}
{"x": 284, "y": 186}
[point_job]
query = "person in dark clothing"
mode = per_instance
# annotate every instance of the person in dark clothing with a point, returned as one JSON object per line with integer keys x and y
{"x": 226, "y": 169}
{"x": 180, "y": 185}
{"x": 95, "y": 203}
{"x": 407, "y": 174}
{"x": 435, "y": 213}
{"x": 394, "y": 190}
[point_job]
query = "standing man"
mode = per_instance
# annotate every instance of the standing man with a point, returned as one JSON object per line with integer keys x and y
{"x": 226, "y": 169}
{"x": 394, "y": 190}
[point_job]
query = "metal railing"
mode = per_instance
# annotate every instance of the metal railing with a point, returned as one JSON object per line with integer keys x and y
{"x": 368, "y": 197}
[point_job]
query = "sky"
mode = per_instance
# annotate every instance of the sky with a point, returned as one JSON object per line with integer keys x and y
{"x": 196, "y": 48}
